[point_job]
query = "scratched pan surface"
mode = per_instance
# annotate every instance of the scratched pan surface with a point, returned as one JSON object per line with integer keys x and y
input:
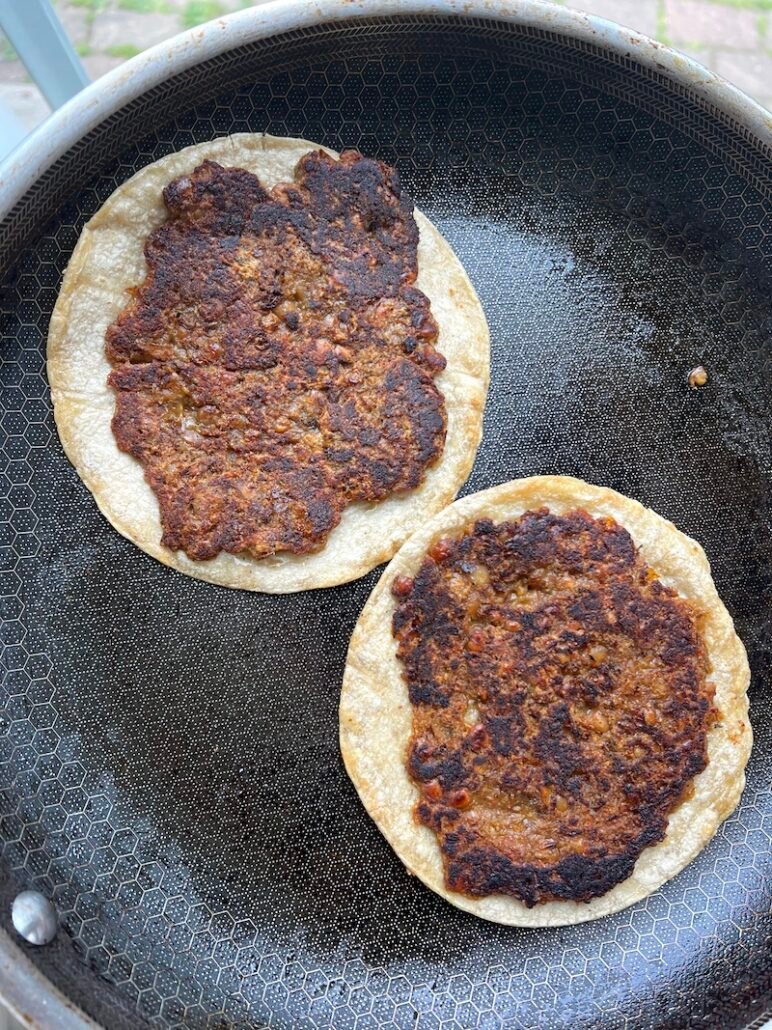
{"x": 170, "y": 766}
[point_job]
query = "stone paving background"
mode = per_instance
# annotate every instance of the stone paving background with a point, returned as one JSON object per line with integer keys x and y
{"x": 731, "y": 37}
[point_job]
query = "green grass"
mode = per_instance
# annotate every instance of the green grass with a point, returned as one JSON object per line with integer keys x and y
{"x": 746, "y": 5}
{"x": 7, "y": 53}
{"x": 197, "y": 11}
{"x": 93, "y": 6}
{"x": 762, "y": 26}
{"x": 146, "y": 6}
{"x": 123, "y": 50}
{"x": 661, "y": 30}
{"x": 83, "y": 49}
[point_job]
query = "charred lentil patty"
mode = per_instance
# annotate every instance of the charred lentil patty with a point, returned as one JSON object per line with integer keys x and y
{"x": 560, "y": 704}
{"x": 277, "y": 363}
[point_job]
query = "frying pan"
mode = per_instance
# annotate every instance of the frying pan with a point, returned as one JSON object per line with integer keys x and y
{"x": 170, "y": 770}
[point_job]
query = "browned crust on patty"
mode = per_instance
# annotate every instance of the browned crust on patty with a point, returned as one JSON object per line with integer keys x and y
{"x": 560, "y": 704}
{"x": 277, "y": 363}
{"x": 109, "y": 262}
{"x": 376, "y": 716}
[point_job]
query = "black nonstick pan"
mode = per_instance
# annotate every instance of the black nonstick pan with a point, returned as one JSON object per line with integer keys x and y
{"x": 169, "y": 768}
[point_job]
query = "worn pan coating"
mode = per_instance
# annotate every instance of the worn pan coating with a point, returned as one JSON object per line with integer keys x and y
{"x": 169, "y": 768}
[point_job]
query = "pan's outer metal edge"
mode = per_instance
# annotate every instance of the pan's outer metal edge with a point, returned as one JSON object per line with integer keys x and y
{"x": 103, "y": 97}
{"x": 32, "y": 999}
{"x": 23, "y": 989}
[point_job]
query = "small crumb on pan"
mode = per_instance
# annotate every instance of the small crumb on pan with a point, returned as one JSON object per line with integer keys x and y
{"x": 697, "y": 377}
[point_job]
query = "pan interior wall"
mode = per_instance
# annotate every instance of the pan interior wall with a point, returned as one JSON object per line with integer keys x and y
{"x": 168, "y": 749}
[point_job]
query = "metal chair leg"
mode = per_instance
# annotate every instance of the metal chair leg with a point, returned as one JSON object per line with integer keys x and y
{"x": 39, "y": 39}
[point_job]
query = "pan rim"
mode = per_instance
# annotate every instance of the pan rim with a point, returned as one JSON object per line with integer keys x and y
{"x": 24, "y": 990}
{"x": 31, "y": 997}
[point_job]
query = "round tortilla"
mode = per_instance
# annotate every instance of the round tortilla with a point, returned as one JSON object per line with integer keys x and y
{"x": 109, "y": 259}
{"x": 376, "y": 715}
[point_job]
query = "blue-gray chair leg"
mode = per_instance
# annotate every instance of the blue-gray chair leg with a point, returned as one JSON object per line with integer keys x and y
{"x": 39, "y": 39}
